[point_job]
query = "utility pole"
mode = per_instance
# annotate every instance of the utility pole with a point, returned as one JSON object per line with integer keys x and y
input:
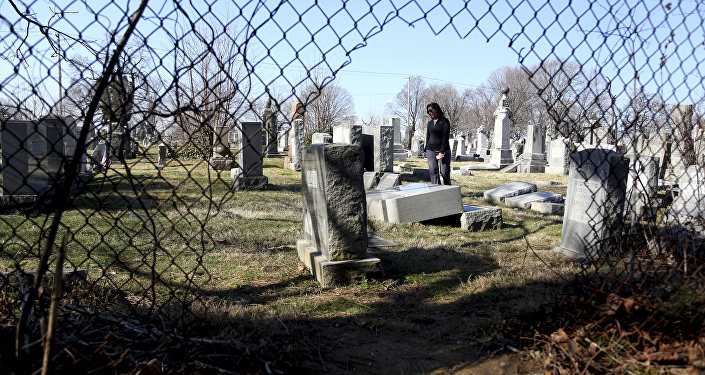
{"x": 61, "y": 105}
{"x": 408, "y": 106}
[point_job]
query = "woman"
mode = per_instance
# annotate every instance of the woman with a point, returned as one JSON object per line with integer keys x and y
{"x": 437, "y": 144}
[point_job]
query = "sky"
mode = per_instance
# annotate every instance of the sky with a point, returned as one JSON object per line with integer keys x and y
{"x": 373, "y": 49}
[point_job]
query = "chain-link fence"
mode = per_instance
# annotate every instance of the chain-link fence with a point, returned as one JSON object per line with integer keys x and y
{"x": 122, "y": 121}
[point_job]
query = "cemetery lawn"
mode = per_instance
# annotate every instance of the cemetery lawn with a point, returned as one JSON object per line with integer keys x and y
{"x": 440, "y": 307}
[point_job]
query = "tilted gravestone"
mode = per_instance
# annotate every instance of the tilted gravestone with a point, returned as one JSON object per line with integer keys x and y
{"x": 334, "y": 247}
{"x": 592, "y": 222}
{"x": 388, "y": 180}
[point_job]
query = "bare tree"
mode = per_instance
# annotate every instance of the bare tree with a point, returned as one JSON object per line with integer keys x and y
{"x": 210, "y": 90}
{"x": 326, "y": 105}
{"x": 410, "y": 105}
{"x": 522, "y": 96}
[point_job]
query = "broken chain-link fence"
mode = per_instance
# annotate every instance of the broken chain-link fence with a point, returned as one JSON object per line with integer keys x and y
{"x": 123, "y": 120}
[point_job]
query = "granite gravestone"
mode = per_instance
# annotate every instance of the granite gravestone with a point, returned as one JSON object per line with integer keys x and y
{"x": 249, "y": 174}
{"x": 378, "y": 147}
{"x": 296, "y": 145}
{"x": 592, "y": 221}
{"x": 334, "y": 246}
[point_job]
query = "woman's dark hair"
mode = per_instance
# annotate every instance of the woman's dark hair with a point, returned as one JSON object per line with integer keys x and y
{"x": 439, "y": 111}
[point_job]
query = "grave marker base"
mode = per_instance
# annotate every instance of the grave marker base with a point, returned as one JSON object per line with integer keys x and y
{"x": 334, "y": 273}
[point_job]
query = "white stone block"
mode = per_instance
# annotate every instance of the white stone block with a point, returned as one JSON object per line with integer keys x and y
{"x": 414, "y": 202}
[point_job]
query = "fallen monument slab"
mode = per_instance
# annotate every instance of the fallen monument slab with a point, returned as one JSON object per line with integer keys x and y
{"x": 414, "y": 202}
{"x": 511, "y": 189}
{"x": 525, "y": 200}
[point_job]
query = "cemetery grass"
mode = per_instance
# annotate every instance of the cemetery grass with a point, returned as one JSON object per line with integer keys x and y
{"x": 440, "y": 306}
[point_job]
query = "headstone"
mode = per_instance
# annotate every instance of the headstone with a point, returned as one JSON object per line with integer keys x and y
{"x": 414, "y": 202}
{"x": 15, "y": 158}
{"x": 453, "y": 142}
{"x": 348, "y": 134}
{"x": 642, "y": 186}
{"x": 682, "y": 150}
{"x": 459, "y": 148}
{"x": 161, "y": 158}
{"x": 526, "y": 200}
{"x": 296, "y": 144}
{"x": 559, "y": 161}
{"x": 481, "y": 149}
{"x": 249, "y": 173}
{"x": 417, "y": 146}
{"x": 283, "y": 141}
{"x": 321, "y": 138}
{"x": 388, "y": 180}
{"x": 399, "y": 150}
{"x": 592, "y": 223}
{"x": 517, "y": 148}
{"x": 377, "y": 144}
{"x": 334, "y": 247}
{"x": 689, "y": 205}
{"x": 221, "y": 158}
{"x": 512, "y": 189}
{"x": 548, "y": 208}
{"x": 533, "y": 160}
{"x": 477, "y": 219}
{"x": 271, "y": 130}
{"x": 370, "y": 180}
{"x": 501, "y": 151}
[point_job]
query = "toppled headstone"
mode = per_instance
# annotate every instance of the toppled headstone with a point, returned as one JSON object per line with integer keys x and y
{"x": 414, "y": 202}
{"x": 388, "y": 180}
{"x": 548, "y": 208}
{"x": 511, "y": 189}
{"x": 476, "y": 219}
{"x": 370, "y": 180}
{"x": 525, "y": 200}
